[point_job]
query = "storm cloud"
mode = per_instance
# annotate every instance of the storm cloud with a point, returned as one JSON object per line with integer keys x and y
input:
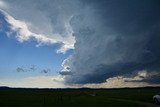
{"x": 110, "y": 38}
{"x": 115, "y": 38}
{"x": 148, "y": 77}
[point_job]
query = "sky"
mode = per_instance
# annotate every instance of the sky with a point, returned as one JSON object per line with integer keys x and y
{"x": 79, "y": 43}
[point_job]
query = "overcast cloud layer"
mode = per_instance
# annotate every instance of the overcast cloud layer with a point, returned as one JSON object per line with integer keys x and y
{"x": 112, "y": 37}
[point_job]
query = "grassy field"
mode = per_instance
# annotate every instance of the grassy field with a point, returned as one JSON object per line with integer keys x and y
{"x": 77, "y": 98}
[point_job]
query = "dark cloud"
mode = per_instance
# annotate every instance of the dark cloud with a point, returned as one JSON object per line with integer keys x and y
{"x": 115, "y": 38}
{"x": 65, "y": 73}
{"x": 32, "y": 68}
{"x": 152, "y": 80}
{"x": 45, "y": 71}
{"x": 150, "y": 77}
{"x": 26, "y": 69}
{"x": 20, "y": 69}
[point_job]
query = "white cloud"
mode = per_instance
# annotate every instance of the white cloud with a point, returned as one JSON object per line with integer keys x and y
{"x": 36, "y": 82}
{"x": 122, "y": 82}
{"x": 45, "y": 81}
{"x": 28, "y": 21}
{"x": 23, "y": 32}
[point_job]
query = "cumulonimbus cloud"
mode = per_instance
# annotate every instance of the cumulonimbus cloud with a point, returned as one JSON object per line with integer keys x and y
{"x": 115, "y": 38}
{"x": 110, "y": 37}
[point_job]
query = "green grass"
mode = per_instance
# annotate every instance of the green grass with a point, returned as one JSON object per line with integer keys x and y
{"x": 76, "y": 98}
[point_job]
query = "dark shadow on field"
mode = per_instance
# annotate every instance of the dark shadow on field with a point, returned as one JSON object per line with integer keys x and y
{"x": 138, "y": 97}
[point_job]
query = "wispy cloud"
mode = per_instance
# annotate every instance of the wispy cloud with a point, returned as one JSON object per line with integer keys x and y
{"x": 40, "y": 27}
{"x": 26, "y": 69}
{"x": 24, "y": 34}
{"x": 32, "y": 68}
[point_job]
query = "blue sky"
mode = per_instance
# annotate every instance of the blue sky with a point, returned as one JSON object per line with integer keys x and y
{"x": 14, "y": 54}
